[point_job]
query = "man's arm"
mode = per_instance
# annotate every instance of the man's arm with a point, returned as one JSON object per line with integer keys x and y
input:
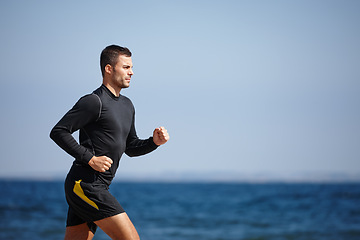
{"x": 87, "y": 109}
{"x": 137, "y": 147}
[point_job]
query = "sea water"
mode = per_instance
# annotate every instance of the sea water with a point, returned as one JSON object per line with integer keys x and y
{"x": 194, "y": 211}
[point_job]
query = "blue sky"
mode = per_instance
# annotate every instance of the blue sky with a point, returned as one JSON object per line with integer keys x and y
{"x": 243, "y": 87}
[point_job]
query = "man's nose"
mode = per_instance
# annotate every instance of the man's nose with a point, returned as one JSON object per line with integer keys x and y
{"x": 131, "y": 72}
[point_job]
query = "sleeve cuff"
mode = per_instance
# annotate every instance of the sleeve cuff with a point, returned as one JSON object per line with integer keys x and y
{"x": 152, "y": 144}
{"x": 87, "y": 157}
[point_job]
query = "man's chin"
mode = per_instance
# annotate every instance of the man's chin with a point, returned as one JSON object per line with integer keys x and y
{"x": 125, "y": 85}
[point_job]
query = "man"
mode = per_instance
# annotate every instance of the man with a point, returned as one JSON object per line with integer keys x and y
{"x": 105, "y": 119}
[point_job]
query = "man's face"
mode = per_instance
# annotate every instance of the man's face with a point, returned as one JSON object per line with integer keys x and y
{"x": 122, "y": 72}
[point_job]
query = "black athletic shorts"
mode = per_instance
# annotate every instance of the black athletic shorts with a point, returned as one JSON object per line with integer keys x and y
{"x": 88, "y": 198}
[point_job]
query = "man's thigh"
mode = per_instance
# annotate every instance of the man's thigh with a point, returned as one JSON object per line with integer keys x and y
{"x": 78, "y": 232}
{"x": 118, "y": 227}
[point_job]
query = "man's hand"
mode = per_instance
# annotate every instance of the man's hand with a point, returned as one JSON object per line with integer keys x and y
{"x": 100, "y": 164}
{"x": 160, "y": 136}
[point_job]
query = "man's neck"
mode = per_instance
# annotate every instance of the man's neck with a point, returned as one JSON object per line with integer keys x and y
{"x": 112, "y": 89}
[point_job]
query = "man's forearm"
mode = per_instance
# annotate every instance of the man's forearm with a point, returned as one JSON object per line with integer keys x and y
{"x": 138, "y": 147}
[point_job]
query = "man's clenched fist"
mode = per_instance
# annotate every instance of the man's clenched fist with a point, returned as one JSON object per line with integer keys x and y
{"x": 100, "y": 164}
{"x": 160, "y": 136}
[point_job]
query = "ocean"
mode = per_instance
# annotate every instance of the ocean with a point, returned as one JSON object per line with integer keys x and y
{"x": 195, "y": 211}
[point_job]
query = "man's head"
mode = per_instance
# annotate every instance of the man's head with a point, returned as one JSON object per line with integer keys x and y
{"x": 110, "y": 55}
{"x": 116, "y": 67}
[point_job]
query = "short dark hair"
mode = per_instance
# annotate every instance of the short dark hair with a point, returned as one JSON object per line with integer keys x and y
{"x": 111, "y": 54}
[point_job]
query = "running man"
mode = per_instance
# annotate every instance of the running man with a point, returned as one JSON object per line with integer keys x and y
{"x": 107, "y": 130}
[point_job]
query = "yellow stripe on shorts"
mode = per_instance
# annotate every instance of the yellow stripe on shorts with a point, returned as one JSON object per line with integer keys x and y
{"x": 80, "y": 192}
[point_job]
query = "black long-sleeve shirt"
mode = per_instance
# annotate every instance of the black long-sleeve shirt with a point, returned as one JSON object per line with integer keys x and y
{"x": 107, "y": 128}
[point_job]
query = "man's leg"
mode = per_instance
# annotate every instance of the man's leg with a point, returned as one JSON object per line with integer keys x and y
{"x": 78, "y": 232}
{"x": 119, "y": 227}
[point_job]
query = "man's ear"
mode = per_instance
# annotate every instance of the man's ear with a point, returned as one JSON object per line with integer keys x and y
{"x": 108, "y": 69}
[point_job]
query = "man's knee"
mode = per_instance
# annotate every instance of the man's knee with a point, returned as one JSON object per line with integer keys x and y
{"x": 119, "y": 227}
